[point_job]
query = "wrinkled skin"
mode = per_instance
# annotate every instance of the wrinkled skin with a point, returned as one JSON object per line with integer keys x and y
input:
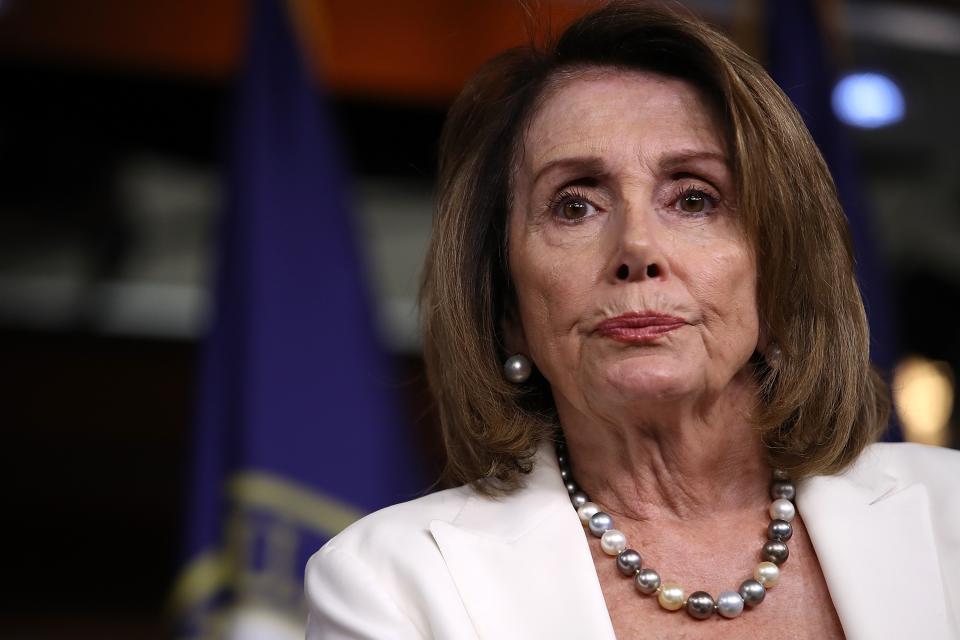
{"x": 629, "y": 169}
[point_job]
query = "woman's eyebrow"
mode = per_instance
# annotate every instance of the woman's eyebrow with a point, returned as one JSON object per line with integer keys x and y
{"x": 595, "y": 166}
{"x": 677, "y": 159}
{"x": 588, "y": 165}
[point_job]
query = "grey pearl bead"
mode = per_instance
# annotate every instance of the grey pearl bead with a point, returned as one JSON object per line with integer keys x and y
{"x": 782, "y": 489}
{"x": 775, "y": 551}
{"x": 600, "y": 522}
{"x": 578, "y": 498}
{"x": 700, "y": 605}
{"x": 779, "y": 530}
{"x": 752, "y": 592}
{"x": 562, "y": 459}
{"x": 729, "y": 604}
{"x": 629, "y": 562}
{"x": 647, "y": 581}
{"x": 517, "y": 368}
{"x": 566, "y": 474}
{"x": 571, "y": 486}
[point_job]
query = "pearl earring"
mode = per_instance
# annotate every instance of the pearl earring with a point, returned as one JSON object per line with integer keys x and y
{"x": 517, "y": 368}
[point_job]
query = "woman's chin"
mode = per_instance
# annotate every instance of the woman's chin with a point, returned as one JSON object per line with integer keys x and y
{"x": 650, "y": 381}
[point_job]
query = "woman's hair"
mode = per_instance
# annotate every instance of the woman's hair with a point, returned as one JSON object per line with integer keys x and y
{"x": 820, "y": 404}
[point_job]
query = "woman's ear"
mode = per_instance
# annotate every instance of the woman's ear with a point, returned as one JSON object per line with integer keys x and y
{"x": 514, "y": 339}
{"x": 763, "y": 338}
{"x": 764, "y": 335}
{"x": 767, "y": 347}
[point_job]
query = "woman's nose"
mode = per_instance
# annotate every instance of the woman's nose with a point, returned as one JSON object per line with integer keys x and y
{"x": 637, "y": 255}
{"x": 649, "y": 271}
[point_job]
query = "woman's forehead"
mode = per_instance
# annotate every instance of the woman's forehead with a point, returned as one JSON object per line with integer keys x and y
{"x": 605, "y": 112}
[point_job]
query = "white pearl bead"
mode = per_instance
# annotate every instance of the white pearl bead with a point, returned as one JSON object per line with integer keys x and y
{"x": 517, "y": 368}
{"x": 729, "y": 604}
{"x": 782, "y": 509}
{"x": 613, "y": 542}
{"x": 767, "y": 574}
{"x": 587, "y": 511}
{"x": 670, "y": 597}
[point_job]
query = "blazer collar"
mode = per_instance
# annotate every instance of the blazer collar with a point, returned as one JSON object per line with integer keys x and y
{"x": 522, "y": 564}
{"x": 874, "y": 540}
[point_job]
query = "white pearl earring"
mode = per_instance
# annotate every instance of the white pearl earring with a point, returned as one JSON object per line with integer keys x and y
{"x": 517, "y": 368}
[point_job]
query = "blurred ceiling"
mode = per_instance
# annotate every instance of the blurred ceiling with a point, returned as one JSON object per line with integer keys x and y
{"x": 420, "y": 49}
{"x": 423, "y": 49}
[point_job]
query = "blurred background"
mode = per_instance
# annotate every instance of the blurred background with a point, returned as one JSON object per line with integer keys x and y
{"x": 179, "y": 179}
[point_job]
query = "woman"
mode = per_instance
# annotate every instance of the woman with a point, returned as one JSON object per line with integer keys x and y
{"x": 641, "y": 320}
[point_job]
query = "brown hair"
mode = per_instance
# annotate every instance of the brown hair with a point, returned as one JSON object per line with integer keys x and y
{"x": 820, "y": 405}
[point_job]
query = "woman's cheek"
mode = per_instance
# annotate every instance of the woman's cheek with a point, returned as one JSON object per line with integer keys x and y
{"x": 726, "y": 290}
{"x": 727, "y": 267}
{"x": 554, "y": 303}
{"x": 569, "y": 281}
{"x": 568, "y": 236}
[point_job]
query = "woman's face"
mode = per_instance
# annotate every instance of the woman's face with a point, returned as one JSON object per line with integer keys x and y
{"x": 634, "y": 281}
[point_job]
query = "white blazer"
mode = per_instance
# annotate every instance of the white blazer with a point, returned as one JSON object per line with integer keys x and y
{"x": 456, "y": 564}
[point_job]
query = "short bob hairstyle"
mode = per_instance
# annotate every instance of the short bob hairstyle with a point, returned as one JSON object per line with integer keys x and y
{"x": 819, "y": 405}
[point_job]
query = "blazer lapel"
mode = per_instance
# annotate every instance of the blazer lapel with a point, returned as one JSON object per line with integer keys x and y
{"x": 522, "y": 565}
{"x": 875, "y": 544}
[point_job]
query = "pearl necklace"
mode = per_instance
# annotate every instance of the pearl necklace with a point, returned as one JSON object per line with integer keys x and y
{"x": 672, "y": 597}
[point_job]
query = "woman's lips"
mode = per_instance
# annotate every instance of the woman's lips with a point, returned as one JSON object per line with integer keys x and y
{"x": 634, "y": 327}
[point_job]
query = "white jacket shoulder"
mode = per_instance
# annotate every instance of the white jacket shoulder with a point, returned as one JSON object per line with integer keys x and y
{"x": 916, "y": 463}
{"x": 373, "y": 579}
{"x": 936, "y": 468}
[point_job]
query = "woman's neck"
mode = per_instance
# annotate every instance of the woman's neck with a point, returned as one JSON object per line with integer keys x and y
{"x": 678, "y": 462}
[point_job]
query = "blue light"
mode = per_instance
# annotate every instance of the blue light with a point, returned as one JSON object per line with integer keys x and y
{"x": 868, "y": 100}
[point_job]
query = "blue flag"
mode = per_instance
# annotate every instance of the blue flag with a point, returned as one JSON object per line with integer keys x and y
{"x": 799, "y": 62}
{"x": 297, "y": 432}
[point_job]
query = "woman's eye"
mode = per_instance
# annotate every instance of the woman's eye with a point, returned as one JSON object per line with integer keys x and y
{"x": 574, "y": 209}
{"x": 695, "y": 201}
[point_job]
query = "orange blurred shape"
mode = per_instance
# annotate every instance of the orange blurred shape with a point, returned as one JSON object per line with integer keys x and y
{"x": 418, "y": 49}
